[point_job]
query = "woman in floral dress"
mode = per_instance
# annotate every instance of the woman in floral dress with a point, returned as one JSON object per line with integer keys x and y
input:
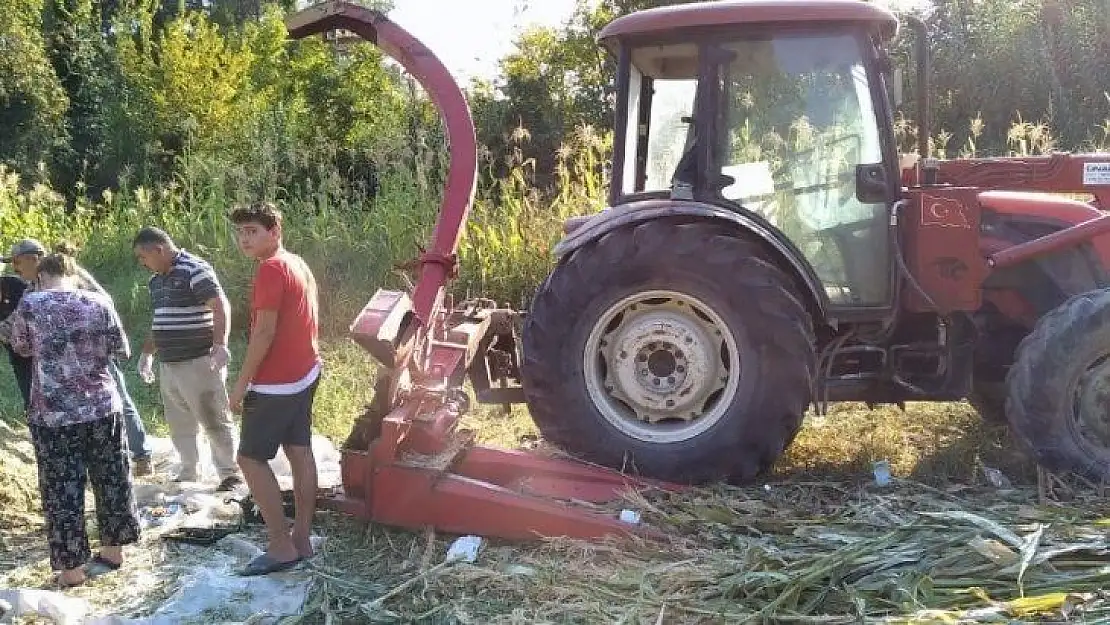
{"x": 75, "y": 418}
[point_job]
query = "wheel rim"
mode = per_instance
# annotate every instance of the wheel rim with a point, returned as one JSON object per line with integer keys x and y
{"x": 661, "y": 366}
{"x": 1090, "y": 420}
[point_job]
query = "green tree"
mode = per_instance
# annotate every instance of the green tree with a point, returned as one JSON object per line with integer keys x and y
{"x": 87, "y": 70}
{"x": 32, "y": 100}
{"x": 556, "y": 81}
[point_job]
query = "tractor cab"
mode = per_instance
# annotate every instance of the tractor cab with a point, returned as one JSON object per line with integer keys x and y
{"x": 774, "y": 110}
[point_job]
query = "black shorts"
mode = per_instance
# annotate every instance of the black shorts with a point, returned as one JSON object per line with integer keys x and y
{"x": 271, "y": 421}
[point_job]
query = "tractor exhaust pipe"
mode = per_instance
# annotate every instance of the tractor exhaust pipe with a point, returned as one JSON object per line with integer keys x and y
{"x": 921, "y": 51}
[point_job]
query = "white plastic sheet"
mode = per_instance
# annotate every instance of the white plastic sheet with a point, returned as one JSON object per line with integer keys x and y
{"x": 209, "y": 589}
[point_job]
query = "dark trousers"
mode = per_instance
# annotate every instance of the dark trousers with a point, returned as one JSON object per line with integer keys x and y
{"x": 21, "y": 367}
{"x": 68, "y": 457}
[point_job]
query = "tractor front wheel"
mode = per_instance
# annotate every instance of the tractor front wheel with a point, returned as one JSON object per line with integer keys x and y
{"x": 1058, "y": 402}
{"x": 676, "y": 350}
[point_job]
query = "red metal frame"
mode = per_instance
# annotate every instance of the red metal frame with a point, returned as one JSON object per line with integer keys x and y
{"x": 940, "y": 226}
{"x": 1054, "y": 173}
{"x": 418, "y": 470}
{"x": 1068, "y": 237}
{"x": 465, "y": 489}
{"x": 1030, "y": 183}
{"x": 1026, "y": 180}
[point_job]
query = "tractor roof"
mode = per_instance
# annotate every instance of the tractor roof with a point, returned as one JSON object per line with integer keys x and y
{"x": 666, "y": 19}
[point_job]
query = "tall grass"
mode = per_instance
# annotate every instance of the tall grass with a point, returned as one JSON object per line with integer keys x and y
{"x": 1022, "y": 138}
{"x": 354, "y": 240}
{"x": 506, "y": 250}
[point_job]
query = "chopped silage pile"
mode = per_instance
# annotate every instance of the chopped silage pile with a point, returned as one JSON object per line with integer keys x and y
{"x": 799, "y": 552}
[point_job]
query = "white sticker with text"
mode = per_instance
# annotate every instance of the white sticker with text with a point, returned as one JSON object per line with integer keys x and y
{"x": 1096, "y": 174}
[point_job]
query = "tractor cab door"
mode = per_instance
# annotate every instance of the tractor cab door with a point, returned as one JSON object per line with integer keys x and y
{"x": 796, "y": 131}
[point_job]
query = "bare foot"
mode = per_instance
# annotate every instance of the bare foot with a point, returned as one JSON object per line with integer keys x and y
{"x": 283, "y": 552}
{"x": 72, "y": 577}
{"x": 304, "y": 546}
{"x": 112, "y": 554}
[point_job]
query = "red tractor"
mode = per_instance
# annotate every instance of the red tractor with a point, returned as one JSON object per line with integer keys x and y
{"x": 764, "y": 250}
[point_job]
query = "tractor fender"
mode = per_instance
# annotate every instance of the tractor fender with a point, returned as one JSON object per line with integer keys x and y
{"x": 580, "y": 231}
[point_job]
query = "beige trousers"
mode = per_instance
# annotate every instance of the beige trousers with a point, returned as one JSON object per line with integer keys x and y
{"x": 195, "y": 396}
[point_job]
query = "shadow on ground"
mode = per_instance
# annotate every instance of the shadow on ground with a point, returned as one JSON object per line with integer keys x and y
{"x": 933, "y": 443}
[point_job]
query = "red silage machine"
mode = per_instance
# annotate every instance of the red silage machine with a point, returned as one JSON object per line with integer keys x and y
{"x": 765, "y": 249}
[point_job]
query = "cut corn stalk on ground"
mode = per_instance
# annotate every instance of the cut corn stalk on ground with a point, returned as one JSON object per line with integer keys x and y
{"x": 950, "y": 548}
{"x": 803, "y": 552}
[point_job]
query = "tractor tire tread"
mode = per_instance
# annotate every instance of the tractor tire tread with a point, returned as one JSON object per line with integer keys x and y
{"x": 1039, "y": 380}
{"x": 783, "y": 333}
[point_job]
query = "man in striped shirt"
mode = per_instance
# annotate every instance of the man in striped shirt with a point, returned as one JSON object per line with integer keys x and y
{"x": 189, "y": 334}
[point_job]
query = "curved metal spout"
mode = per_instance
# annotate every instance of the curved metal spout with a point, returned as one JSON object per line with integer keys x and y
{"x": 438, "y": 262}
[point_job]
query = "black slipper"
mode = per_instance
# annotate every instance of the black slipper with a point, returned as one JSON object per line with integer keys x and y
{"x": 266, "y": 564}
{"x": 204, "y": 536}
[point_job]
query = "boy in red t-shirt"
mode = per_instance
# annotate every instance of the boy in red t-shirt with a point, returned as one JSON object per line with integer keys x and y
{"x": 277, "y": 385}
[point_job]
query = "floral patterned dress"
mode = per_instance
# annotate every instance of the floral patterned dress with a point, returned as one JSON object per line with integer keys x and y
{"x": 71, "y": 337}
{"x": 75, "y": 418}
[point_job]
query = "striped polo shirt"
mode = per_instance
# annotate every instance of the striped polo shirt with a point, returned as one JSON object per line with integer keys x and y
{"x": 183, "y": 326}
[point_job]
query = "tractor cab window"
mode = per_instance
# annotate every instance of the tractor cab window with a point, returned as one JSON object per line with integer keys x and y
{"x": 788, "y": 119}
{"x": 796, "y": 120}
{"x": 662, "y": 87}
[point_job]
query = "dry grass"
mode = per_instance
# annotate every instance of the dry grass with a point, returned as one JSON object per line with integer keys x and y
{"x": 145, "y": 580}
{"x": 934, "y": 443}
{"x": 930, "y": 442}
{"x": 18, "y": 478}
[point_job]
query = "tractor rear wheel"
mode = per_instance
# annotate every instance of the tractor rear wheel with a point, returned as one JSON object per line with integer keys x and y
{"x": 675, "y": 349}
{"x": 1059, "y": 388}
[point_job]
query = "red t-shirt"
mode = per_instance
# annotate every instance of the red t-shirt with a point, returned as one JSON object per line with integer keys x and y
{"x": 285, "y": 283}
